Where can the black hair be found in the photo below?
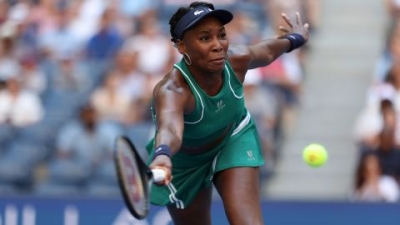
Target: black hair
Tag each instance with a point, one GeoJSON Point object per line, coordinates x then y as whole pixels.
{"type": "Point", "coordinates": [360, 169]}
{"type": "Point", "coordinates": [180, 13]}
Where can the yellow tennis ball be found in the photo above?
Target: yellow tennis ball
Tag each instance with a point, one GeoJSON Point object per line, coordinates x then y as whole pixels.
{"type": "Point", "coordinates": [315, 155]}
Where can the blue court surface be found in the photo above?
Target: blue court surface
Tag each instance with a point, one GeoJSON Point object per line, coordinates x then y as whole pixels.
{"type": "Point", "coordinates": [84, 211]}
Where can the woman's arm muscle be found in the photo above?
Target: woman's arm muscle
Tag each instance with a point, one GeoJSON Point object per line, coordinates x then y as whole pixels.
{"type": "Point", "coordinates": [170, 98]}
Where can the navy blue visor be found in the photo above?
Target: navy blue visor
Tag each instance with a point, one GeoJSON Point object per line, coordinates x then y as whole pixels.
{"type": "Point", "coordinates": [192, 17]}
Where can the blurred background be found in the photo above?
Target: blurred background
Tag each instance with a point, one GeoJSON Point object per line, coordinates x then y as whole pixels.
{"type": "Point", "coordinates": [74, 74]}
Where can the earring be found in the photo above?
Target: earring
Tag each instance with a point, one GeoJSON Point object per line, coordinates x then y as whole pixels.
{"type": "Point", "coordinates": [187, 59]}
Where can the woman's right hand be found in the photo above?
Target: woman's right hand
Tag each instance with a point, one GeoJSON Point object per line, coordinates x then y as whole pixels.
{"type": "Point", "coordinates": [163, 162]}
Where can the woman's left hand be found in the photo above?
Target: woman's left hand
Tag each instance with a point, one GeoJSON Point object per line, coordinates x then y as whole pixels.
{"type": "Point", "coordinates": [296, 26]}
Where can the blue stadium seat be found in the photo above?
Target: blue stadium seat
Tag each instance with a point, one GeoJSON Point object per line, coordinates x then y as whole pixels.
{"type": "Point", "coordinates": [140, 134]}
{"type": "Point", "coordinates": [104, 180]}
{"type": "Point", "coordinates": [9, 189]}
{"type": "Point", "coordinates": [7, 133]}
{"type": "Point", "coordinates": [42, 133]}
{"type": "Point", "coordinates": [103, 190]}
{"type": "Point", "coordinates": [50, 188]}
{"type": "Point", "coordinates": [29, 153]}
{"type": "Point", "coordinates": [15, 171]}
{"type": "Point", "coordinates": [65, 177]}
{"type": "Point", "coordinates": [18, 161]}
{"type": "Point", "coordinates": [69, 171]}
{"type": "Point", "coordinates": [105, 173]}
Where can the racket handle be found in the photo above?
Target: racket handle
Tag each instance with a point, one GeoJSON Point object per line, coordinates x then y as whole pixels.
{"type": "Point", "coordinates": [158, 175]}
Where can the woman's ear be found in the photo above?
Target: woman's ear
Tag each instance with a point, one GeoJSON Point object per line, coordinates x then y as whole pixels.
{"type": "Point", "coordinates": [180, 46]}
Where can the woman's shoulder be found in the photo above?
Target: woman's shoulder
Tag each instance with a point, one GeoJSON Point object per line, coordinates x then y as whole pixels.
{"type": "Point", "coordinates": [173, 80]}
{"type": "Point", "coordinates": [239, 57]}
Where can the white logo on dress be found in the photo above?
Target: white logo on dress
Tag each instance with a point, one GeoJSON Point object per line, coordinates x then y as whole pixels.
{"type": "Point", "coordinates": [220, 105]}
{"type": "Point", "coordinates": [197, 12]}
{"type": "Point", "coordinates": [250, 155]}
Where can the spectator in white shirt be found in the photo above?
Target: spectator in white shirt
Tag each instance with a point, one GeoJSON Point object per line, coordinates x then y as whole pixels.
{"type": "Point", "coordinates": [19, 107]}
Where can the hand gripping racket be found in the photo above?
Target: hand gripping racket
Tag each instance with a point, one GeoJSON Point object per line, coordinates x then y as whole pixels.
{"type": "Point", "coordinates": [134, 177]}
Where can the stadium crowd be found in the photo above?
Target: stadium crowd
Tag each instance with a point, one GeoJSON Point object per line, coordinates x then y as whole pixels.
{"type": "Point", "coordinates": [377, 176]}
{"type": "Point", "coordinates": [74, 74]}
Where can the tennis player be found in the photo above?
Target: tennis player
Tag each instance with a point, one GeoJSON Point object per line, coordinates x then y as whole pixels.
{"type": "Point", "coordinates": [204, 134]}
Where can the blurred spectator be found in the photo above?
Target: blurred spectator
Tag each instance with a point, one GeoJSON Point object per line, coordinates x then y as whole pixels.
{"type": "Point", "coordinates": [312, 12]}
{"type": "Point", "coordinates": [133, 83]}
{"type": "Point", "coordinates": [86, 139]}
{"type": "Point", "coordinates": [390, 54]}
{"type": "Point", "coordinates": [3, 11]}
{"type": "Point", "coordinates": [86, 17]}
{"type": "Point", "coordinates": [69, 76]}
{"type": "Point", "coordinates": [43, 16]}
{"type": "Point", "coordinates": [81, 146]}
{"type": "Point", "coordinates": [111, 103]}
{"type": "Point", "coordinates": [370, 120]}
{"type": "Point", "coordinates": [393, 79]}
{"type": "Point", "coordinates": [243, 29]}
{"type": "Point", "coordinates": [276, 7]}
{"type": "Point", "coordinates": [371, 184]}
{"type": "Point", "coordinates": [284, 77]}
{"type": "Point", "coordinates": [393, 7]}
{"type": "Point", "coordinates": [8, 63]}
{"type": "Point", "coordinates": [385, 149]}
{"type": "Point", "coordinates": [135, 9]}
{"type": "Point", "coordinates": [19, 11]}
{"type": "Point", "coordinates": [156, 54]}
{"type": "Point", "coordinates": [387, 152]}
{"type": "Point", "coordinates": [19, 107]}
{"type": "Point", "coordinates": [60, 32]}
{"type": "Point", "coordinates": [309, 9]}
{"type": "Point", "coordinates": [24, 31]}
{"type": "Point", "coordinates": [9, 67]}
{"type": "Point", "coordinates": [107, 41]}
{"type": "Point", "coordinates": [263, 107]}
{"type": "Point", "coordinates": [32, 77]}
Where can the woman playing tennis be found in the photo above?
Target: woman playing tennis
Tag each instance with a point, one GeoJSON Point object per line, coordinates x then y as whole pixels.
{"type": "Point", "coordinates": [204, 134]}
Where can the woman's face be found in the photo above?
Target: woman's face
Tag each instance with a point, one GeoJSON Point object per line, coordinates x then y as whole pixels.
{"type": "Point", "coordinates": [206, 44]}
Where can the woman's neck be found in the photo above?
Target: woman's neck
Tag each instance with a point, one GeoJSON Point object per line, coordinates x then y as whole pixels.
{"type": "Point", "coordinates": [210, 82]}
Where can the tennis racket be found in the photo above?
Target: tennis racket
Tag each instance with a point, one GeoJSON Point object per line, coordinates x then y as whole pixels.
{"type": "Point", "coordinates": [134, 177]}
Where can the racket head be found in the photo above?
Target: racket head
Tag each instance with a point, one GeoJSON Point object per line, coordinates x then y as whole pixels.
{"type": "Point", "coordinates": [133, 177]}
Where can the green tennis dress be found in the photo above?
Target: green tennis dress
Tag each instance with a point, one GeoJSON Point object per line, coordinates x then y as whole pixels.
{"type": "Point", "coordinates": [212, 116]}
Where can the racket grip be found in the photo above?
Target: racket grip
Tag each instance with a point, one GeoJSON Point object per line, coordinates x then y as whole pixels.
{"type": "Point", "coordinates": [158, 175]}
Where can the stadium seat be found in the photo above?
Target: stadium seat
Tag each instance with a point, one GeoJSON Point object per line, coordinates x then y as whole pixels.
{"type": "Point", "coordinates": [104, 180]}
{"type": "Point", "coordinates": [140, 134]}
{"type": "Point", "coordinates": [50, 188]}
{"type": "Point", "coordinates": [69, 171]}
{"type": "Point", "coordinates": [105, 173]}
{"type": "Point", "coordinates": [7, 132]}
{"type": "Point", "coordinates": [41, 133]}
{"type": "Point", "coordinates": [103, 190]}
{"type": "Point", "coordinates": [15, 171]}
{"type": "Point", "coordinates": [26, 152]}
